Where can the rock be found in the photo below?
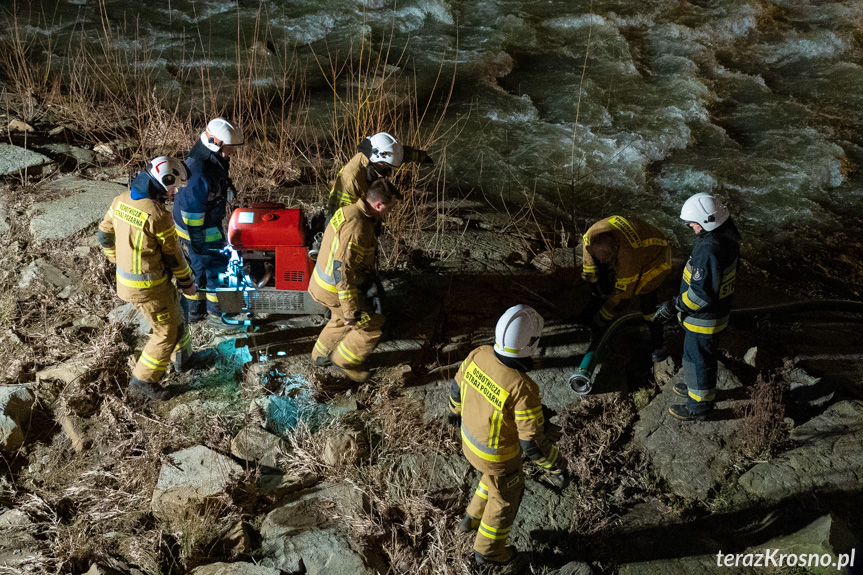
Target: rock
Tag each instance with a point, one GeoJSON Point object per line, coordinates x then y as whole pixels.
{"type": "Point", "coordinates": [18, 547]}
{"type": "Point", "coordinates": [828, 457]}
{"type": "Point", "coordinates": [4, 224]}
{"type": "Point", "coordinates": [305, 534]}
{"type": "Point", "coordinates": [16, 125]}
{"type": "Point", "coordinates": [194, 477]}
{"type": "Point", "coordinates": [106, 150]}
{"type": "Point", "coordinates": [345, 449]}
{"type": "Point", "coordinates": [692, 457]}
{"type": "Point", "coordinates": [318, 552]}
{"type": "Point", "coordinates": [89, 321]}
{"type": "Point", "coordinates": [234, 569]}
{"type": "Point", "coordinates": [554, 259]}
{"type": "Point", "coordinates": [258, 446]}
{"type": "Point", "coordinates": [14, 159]}
{"type": "Point", "coordinates": [16, 404]}
{"type": "Point", "coordinates": [574, 568]}
{"type": "Point", "coordinates": [80, 155]}
{"type": "Point", "coordinates": [681, 566]}
{"type": "Point", "coordinates": [67, 372]}
{"type": "Point", "coordinates": [40, 268]}
{"type": "Point", "coordinates": [56, 130]}
{"type": "Point", "coordinates": [798, 378]}
{"type": "Point", "coordinates": [63, 217]}
{"type": "Point", "coordinates": [825, 535]}
{"type": "Point", "coordinates": [127, 313]}
{"type": "Point", "coordinates": [757, 359]}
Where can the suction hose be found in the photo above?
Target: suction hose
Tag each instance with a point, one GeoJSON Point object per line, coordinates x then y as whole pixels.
{"type": "Point", "coordinates": [581, 381]}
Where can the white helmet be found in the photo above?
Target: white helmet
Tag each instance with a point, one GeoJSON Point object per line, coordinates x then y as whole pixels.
{"type": "Point", "coordinates": [517, 332]}
{"type": "Point", "coordinates": [705, 210]}
{"type": "Point", "coordinates": [387, 149]}
{"type": "Point", "coordinates": [220, 133]}
{"type": "Point", "coordinates": [171, 173]}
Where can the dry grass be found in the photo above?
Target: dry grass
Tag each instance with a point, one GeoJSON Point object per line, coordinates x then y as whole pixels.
{"type": "Point", "coordinates": [601, 460]}
{"type": "Point", "coordinates": [763, 430]}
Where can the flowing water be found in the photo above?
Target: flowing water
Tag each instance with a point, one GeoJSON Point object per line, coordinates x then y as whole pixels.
{"type": "Point", "coordinates": [595, 107]}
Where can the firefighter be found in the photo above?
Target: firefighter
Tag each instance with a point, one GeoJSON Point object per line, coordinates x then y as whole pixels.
{"type": "Point", "coordinates": [501, 416]}
{"type": "Point", "coordinates": [342, 277]}
{"type": "Point", "coordinates": [625, 257]}
{"type": "Point", "coordinates": [704, 304]}
{"type": "Point", "coordinates": [199, 211]}
{"type": "Point", "coordinates": [138, 235]}
{"type": "Point", "coordinates": [376, 158]}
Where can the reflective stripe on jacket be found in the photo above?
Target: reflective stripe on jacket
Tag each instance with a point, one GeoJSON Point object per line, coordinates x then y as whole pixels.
{"type": "Point", "coordinates": [137, 233]}
{"type": "Point", "coordinates": [347, 256]}
{"type": "Point", "coordinates": [351, 184]}
{"type": "Point", "coordinates": [707, 285]}
{"type": "Point", "coordinates": [500, 409]}
{"type": "Point", "coordinates": [643, 255]}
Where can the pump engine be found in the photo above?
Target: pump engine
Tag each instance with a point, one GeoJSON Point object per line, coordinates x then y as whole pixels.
{"type": "Point", "coordinates": [269, 266]}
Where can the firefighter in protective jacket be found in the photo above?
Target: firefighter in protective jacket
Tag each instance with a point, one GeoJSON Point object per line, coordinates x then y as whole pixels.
{"type": "Point", "coordinates": [343, 274]}
{"type": "Point", "coordinates": [502, 419]}
{"type": "Point", "coordinates": [377, 156]}
{"type": "Point", "coordinates": [138, 235]}
{"type": "Point", "coordinates": [623, 258]}
{"type": "Point", "coordinates": [199, 211]}
{"type": "Point", "coordinates": [703, 307]}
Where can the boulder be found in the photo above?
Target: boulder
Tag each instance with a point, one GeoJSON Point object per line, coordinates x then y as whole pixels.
{"type": "Point", "coordinates": [14, 159]}
{"type": "Point", "coordinates": [41, 269]}
{"type": "Point", "coordinates": [68, 371]}
{"type": "Point", "coordinates": [828, 457]}
{"type": "Point", "coordinates": [305, 535]}
{"type": "Point", "coordinates": [85, 204]}
{"type": "Point", "coordinates": [574, 568]}
{"type": "Point", "coordinates": [234, 569]}
{"type": "Point", "coordinates": [16, 404]}
{"type": "Point", "coordinates": [258, 445]}
{"type": "Point", "coordinates": [18, 547]}
{"type": "Point", "coordinates": [692, 457]}
{"type": "Point", "coordinates": [194, 477]}
{"type": "Point", "coordinates": [824, 536]}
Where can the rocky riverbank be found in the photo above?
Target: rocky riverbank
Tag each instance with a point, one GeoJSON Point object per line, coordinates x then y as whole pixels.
{"type": "Point", "coordinates": [264, 464]}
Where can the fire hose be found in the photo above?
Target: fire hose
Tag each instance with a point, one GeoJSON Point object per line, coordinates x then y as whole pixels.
{"type": "Point", "coordinates": [581, 381]}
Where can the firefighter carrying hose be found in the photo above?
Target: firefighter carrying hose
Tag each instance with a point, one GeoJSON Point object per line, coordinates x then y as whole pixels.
{"type": "Point", "coordinates": [138, 235]}
{"type": "Point", "coordinates": [200, 209]}
{"type": "Point", "coordinates": [625, 257]}
{"type": "Point", "coordinates": [377, 157]}
{"type": "Point", "coordinates": [501, 416]}
{"type": "Point", "coordinates": [703, 307]}
{"type": "Point", "coordinates": [343, 274]}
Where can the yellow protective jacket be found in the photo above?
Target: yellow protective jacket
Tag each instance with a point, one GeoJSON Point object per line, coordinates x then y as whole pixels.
{"type": "Point", "coordinates": [351, 184]}
{"type": "Point", "coordinates": [346, 262]}
{"type": "Point", "coordinates": [501, 414]}
{"type": "Point", "coordinates": [644, 254]}
{"type": "Point", "coordinates": [138, 235]}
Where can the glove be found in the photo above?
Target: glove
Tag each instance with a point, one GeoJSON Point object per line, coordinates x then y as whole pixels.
{"type": "Point", "coordinates": [453, 419]}
{"type": "Point", "coordinates": [558, 479]}
{"type": "Point", "coordinates": [601, 289]}
{"type": "Point", "coordinates": [665, 312]}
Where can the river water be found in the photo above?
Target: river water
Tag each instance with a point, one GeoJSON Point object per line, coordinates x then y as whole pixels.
{"type": "Point", "coordinates": [595, 107]}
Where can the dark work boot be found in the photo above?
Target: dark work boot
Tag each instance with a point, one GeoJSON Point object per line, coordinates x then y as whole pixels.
{"type": "Point", "coordinates": [355, 375]}
{"type": "Point", "coordinates": [681, 389]}
{"type": "Point", "coordinates": [203, 359]}
{"type": "Point", "coordinates": [468, 523]}
{"type": "Point", "coordinates": [148, 389]}
{"type": "Point", "coordinates": [682, 413]}
{"type": "Point", "coordinates": [508, 559]}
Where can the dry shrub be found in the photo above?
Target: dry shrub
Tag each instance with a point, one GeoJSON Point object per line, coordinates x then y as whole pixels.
{"type": "Point", "coordinates": [763, 430]}
{"type": "Point", "coordinates": [607, 467]}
